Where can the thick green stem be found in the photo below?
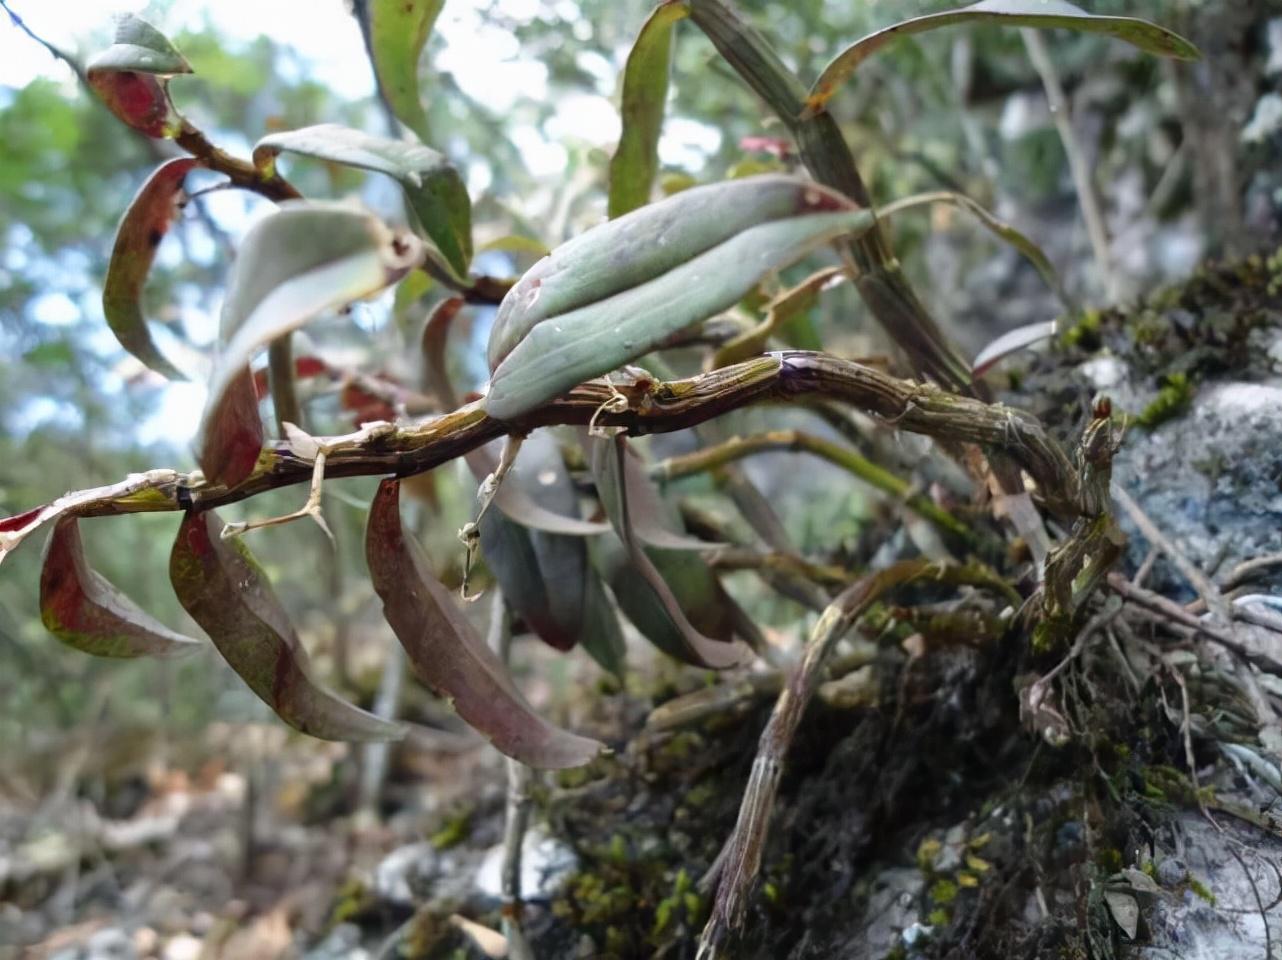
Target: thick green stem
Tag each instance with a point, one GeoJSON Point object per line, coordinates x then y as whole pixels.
{"type": "Point", "coordinates": [879, 278]}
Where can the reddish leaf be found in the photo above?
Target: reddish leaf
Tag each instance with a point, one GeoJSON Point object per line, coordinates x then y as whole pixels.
{"type": "Point", "coordinates": [226, 592]}
{"type": "Point", "coordinates": [144, 225]}
{"type": "Point", "coordinates": [447, 654]}
{"type": "Point", "coordinates": [132, 74]}
{"type": "Point", "coordinates": [435, 337]}
{"type": "Point", "coordinates": [19, 520]}
{"type": "Point", "coordinates": [366, 407]}
{"type": "Point", "coordinates": [84, 610]}
{"type": "Point", "coordinates": [233, 434]}
{"type": "Point", "coordinates": [304, 368]}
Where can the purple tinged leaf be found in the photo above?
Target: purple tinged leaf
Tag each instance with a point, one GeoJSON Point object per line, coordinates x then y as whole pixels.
{"type": "Point", "coordinates": [1012, 342]}
{"type": "Point", "coordinates": [436, 335]}
{"type": "Point", "coordinates": [545, 575]}
{"type": "Point", "coordinates": [1044, 14]}
{"type": "Point", "coordinates": [84, 610]}
{"type": "Point", "coordinates": [645, 90]}
{"type": "Point", "coordinates": [304, 259]}
{"type": "Point", "coordinates": [138, 237]}
{"type": "Point", "coordinates": [232, 434]}
{"type": "Point", "coordinates": [225, 591]}
{"type": "Point", "coordinates": [608, 465]}
{"type": "Point", "coordinates": [448, 655]}
{"type": "Point", "coordinates": [131, 77]}
{"type": "Point", "coordinates": [524, 509]}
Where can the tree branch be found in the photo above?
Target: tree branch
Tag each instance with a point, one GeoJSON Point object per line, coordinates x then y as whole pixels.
{"type": "Point", "coordinates": [653, 407]}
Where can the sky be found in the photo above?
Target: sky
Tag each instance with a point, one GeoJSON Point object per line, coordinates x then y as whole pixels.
{"type": "Point", "coordinates": [485, 60]}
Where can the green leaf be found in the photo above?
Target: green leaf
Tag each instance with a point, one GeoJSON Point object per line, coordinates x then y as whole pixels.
{"type": "Point", "coordinates": [144, 225]}
{"type": "Point", "coordinates": [432, 185]}
{"type": "Point", "coordinates": [225, 591]}
{"type": "Point", "coordinates": [131, 77]}
{"type": "Point", "coordinates": [1043, 14]}
{"type": "Point", "coordinates": [617, 293]}
{"type": "Point", "coordinates": [645, 90]}
{"type": "Point", "coordinates": [647, 243]}
{"type": "Point", "coordinates": [302, 260]}
{"type": "Point", "coordinates": [448, 655]}
{"type": "Point", "coordinates": [514, 243]}
{"type": "Point", "coordinates": [603, 637]}
{"type": "Point", "coordinates": [544, 575]}
{"type": "Point", "coordinates": [670, 595]}
{"type": "Point", "coordinates": [398, 31]}
{"type": "Point", "coordinates": [999, 228]}
{"type": "Point", "coordinates": [84, 610]}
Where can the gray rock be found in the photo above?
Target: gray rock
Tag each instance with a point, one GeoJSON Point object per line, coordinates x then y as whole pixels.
{"type": "Point", "coordinates": [1211, 480]}
{"type": "Point", "coordinates": [1185, 924]}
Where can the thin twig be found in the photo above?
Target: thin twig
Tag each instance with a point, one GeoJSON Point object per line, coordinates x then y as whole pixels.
{"type": "Point", "coordinates": [1077, 165]}
{"type": "Point", "coordinates": [1200, 582]}
{"type": "Point", "coordinates": [736, 448]}
{"type": "Point", "coordinates": [517, 811]}
{"type": "Point", "coordinates": [57, 52]}
{"type": "Point", "coordinates": [1177, 615]}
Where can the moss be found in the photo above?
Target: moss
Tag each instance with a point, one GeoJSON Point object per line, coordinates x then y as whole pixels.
{"type": "Point", "coordinates": [927, 853]}
{"type": "Point", "coordinates": [939, 917]}
{"type": "Point", "coordinates": [943, 892]}
{"type": "Point", "coordinates": [456, 828]}
{"type": "Point", "coordinates": [1109, 859]}
{"type": "Point", "coordinates": [1085, 332]}
{"type": "Point", "coordinates": [1172, 400]}
{"type": "Point", "coordinates": [1201, 890]}
{"type": "Point", "coordinates": [352, 900]}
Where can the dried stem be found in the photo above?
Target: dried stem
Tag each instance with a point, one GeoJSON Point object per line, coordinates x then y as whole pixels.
{"type": "Point", "coordinates": [1077, 165]}
{"type": "Point", "coordinates": [742, 857]}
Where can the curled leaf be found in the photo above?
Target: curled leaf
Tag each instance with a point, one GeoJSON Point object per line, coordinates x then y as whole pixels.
{"type": "Point", "coordinates": [1012, 342]}
{"type": "Point", "coordinates": [398, 31]}
{"type": "Point", "coordinates": [645, 89]}
{"type": "Point", "coordinates": [225, 591]}
{"type": "Point", "coordinates": [446, 653]}
{"type": "Point", "coordinates": [653, 521]}
{"type": "Point", "coordinates": [304, 259]}
{"type": "Point", "coordinates": [1044, 14]}
{"type": "Point", "coordinates": [648, 594]}
{"type": "Point", "coordinates": [137, 238]}
{"type": "Point", "coordinates": [232, 434]}
{"type": "Point", "coordinates": [84, 610]}
{"type": "Point", "coordinates": [131, 77]}
{"type": "Point", "coordinates": [544, 574]}
{"type": "Point", "coordinates": [999, 228]}
{"type": "Point", "coordinates": [436, 333]}
{"type": "Point", "coordinates": [433, 188]}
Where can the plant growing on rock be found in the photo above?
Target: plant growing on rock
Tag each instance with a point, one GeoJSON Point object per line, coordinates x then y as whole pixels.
{"type": "Point", "coordinates": [561, 351]}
